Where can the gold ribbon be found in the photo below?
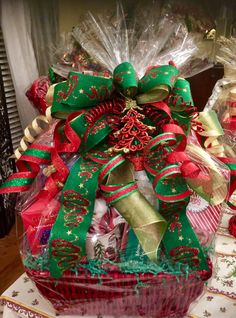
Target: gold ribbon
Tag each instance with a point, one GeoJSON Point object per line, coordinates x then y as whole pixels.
{"type": "Point", "coordinates": [148, 225]}
{"type": "Point", "coordinates": [215, 188]}
{"type": "Point", "coordinates": [211, 130]}
{"type": "Point", "coordinates": [32, 131]}
{"type": "Point", "coordinates": [157, 93]}
{"type": "Point", "coordinates": [36, 127]}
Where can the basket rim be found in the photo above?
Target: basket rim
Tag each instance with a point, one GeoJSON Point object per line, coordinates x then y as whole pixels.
{"type": "Point", "coordinates": [85, 274]}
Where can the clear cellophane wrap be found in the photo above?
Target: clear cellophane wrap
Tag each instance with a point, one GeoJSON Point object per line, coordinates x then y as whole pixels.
{"type": "Point", "coordinates": [222, 101]}
{"type": "Point", "coordinates": [117, 194]}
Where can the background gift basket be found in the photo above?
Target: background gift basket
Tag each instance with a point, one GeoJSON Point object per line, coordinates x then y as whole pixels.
{"type": "Point", "coordinates": [105, 188]}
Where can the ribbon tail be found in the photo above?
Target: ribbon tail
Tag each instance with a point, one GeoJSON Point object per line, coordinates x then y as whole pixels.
{"type": "Point", "coordinates": [179, 242]}
{"type": "Point", "coordinates": [148, 225]}
{"type": "Point", "coordinates": [67, 242]}
{"type": "Point", "coordinates": [182, 245]}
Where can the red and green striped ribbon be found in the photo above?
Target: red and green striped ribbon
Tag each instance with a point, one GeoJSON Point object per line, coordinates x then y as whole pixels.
{"type": "Point", "coordinates": [28, 166]}
{"type": "Point", "coordinates": [39, 152]}
{"type": "Point", "coordinates": [115, 192]}
{"type": "Point", "coordinates": [119, 192]}
{"type": "Point", "coordinates": [18, 182]}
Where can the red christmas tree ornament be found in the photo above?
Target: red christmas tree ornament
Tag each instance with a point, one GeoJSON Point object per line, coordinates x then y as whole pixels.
{"type": "Point", "coordinates": [134, 135]}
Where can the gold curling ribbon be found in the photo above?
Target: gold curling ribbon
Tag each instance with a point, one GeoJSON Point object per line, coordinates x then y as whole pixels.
{"type": "Point", "coordinates": [36, 127]}
{"type": "Point", "coordinates": [213, 190]}
{"type": "Point", "coordinates": [49, 95]}
{"type": "Point", "coordinates": [212, 130]}
{"type": "Point", "coordinates": [148, 225]}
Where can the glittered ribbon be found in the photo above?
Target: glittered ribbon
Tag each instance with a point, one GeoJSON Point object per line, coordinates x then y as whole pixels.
{"type": "Point", "coordinates": [68, 236]}
{"type": "Point", "coordinates": [180, 242]}
{"type": "Point", "coordinates": [82, 90]}
{"type": "Point", "coordinates": [28, 167]}
{"type": "Point", "coordinates": [231, 164]}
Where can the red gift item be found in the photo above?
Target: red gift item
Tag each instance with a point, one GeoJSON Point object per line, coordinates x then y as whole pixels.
{"type": "Point", "coordinates": [229, 123]}
{"type": "Point", "coordinates": [37, 93]}
{"type": "Point", "coordinates": [38, 219]}
{"type": "Point", "coordinates": [232, 226]}
{"type": "Point", "coordinates": [229, 120]}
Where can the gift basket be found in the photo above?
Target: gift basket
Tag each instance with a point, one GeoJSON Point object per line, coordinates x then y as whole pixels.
{"type": "Point", "coordinates": [105, 187]}
{"type": "Point", "coordinates": [223, 102]}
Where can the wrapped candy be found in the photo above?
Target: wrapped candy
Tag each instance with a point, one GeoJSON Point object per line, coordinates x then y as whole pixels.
{"type": "Point", "coordinates": [113, 181]}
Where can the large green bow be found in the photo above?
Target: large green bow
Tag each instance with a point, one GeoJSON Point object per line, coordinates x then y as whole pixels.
{"type": "Point", "coordinates": [82, 90]}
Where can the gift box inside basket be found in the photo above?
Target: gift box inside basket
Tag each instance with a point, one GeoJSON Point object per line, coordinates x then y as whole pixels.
{"type": "Point", "coordinates": [104, 190]}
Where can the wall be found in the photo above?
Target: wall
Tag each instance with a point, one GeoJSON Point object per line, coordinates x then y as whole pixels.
{"type": "Point", "coordinates": [70, 11]}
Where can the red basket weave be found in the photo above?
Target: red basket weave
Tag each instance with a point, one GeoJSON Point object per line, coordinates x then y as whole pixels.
{"type": "Point", "coordinates": [117, 294]}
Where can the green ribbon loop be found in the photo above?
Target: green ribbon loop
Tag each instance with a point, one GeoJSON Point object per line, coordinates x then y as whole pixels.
{"type": "Point", "coordinates": [180, 97]}
{"type": "Point", "coordinates": [156, 84]}
{"type": "Point", "coordinates": [91, 136]}
{"type": "Point", "coordinates": [125, 79]}
{"type": "Point", "coordinates": [82, 90]}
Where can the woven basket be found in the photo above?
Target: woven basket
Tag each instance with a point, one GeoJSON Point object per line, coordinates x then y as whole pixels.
{"type": "Point", "coordinates": [147, 295]}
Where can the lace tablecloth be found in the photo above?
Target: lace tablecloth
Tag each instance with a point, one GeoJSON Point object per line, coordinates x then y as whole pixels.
{"type": "Point", "coordinates": [218, 301]}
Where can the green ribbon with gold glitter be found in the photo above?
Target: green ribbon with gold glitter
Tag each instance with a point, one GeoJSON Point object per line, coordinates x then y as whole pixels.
{"type": "Point", "coordinates": [81, 91]}
{"type": "Point", "coordinates": [68, 236]}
